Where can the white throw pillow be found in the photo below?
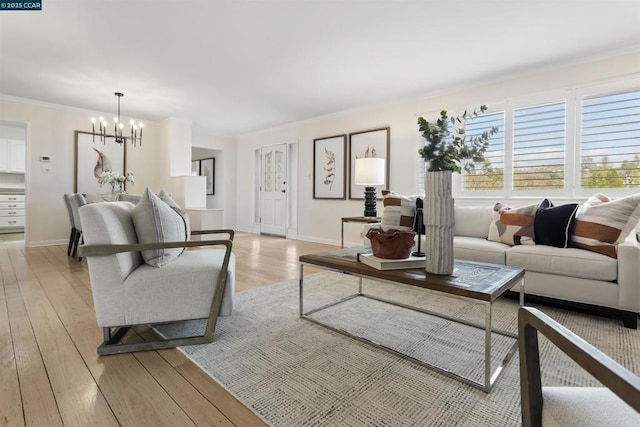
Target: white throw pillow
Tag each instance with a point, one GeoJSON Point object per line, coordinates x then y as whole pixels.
{"type": "Point", "coordinates": [399, 211]}
{"type": "Point", "coordinates": [601, 223]}
{"type": "Point", "coordinates": [166, 197]}
{"type": "Point", "coordinates": [156, 222]}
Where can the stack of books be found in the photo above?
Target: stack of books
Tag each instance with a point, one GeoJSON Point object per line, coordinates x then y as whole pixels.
{"type": "Point", "coordinates": [391, 264]}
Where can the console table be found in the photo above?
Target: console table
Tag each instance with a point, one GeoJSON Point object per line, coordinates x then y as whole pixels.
{"type": "Point", "coordinates": [362, 219]}
{"type": "Point", "coordinates": [479, 282]}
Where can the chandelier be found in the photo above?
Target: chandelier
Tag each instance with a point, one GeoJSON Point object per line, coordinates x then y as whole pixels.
{"type": "Point", "coordinates": [134, 136]}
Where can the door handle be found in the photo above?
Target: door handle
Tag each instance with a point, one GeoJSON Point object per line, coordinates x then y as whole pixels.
{"type": "Point", "coordinates": [284, 191]}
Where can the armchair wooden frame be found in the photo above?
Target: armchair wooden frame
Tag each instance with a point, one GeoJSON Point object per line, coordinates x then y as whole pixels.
{"type": "Point", "coordinates": [112, 338]}
{"type": "Point", "coordinates": [612, 375]}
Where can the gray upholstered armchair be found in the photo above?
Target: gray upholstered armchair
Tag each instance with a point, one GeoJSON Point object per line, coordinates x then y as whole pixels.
{"type": "Point", "coordinates": [615, 404]}
{"type": "Point", "coordinates": [127, 291]}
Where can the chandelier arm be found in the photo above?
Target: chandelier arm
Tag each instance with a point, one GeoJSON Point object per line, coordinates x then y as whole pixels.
{"type": "Point", "coordinates": [117, 128]}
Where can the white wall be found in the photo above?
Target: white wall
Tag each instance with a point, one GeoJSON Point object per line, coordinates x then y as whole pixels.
{"type": "Point", "coordinates": [319, 220]}
{"type": "Point", "coordinates": [50, 131]}
{"type": "Point", "coordinates": [224, 150]}
{"type": "Point", "coordinates": [179, 138]}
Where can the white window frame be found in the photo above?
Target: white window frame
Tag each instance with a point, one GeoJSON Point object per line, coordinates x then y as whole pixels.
{"type": "Point", "coordinates": [494, 107]}
{"type": "Point", "coordinates": [572, 96]}
{"type": "Point", "coordinates": [609, 88]}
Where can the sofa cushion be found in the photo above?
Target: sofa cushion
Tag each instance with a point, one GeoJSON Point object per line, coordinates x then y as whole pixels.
{"type": "Point", "coordinates": [472, 221]}
{"type": "Point", "coordinates": [553, 224]}
{"type": "Point", "coordinates": [477, 249]}
{"type": "Point", "coordinates": [602, 223]}
{"type": "Point", "coordinates": [563, 261]}
{"type": "Point", "coordinates": [156, 222]}
{"type": "Point", "coordinates": [585, 406]}
{"type": "Point", "coordinates": [399, 211]}
{"type": "Point", "coordinates": [513, 226]}
{"type": "Point", "coordinates": [195, 272]}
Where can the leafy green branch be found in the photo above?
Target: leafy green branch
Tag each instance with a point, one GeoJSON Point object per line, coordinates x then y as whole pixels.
{"type": "Point", "coordinates": [448, 147]}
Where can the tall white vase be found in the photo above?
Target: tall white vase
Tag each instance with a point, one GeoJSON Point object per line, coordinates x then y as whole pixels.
{"type": "Point", "coordinates": [439, 221]}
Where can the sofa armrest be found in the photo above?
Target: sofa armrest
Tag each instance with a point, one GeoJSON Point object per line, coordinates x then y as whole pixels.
{"type": "Point", "coordinates": [628, 274]}
{"type": "Point", "coordinates": [231, 233]}
{"type": "Point", "coordinates": [102, 250]}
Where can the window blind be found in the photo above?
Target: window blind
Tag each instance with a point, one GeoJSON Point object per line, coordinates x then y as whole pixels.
{"type": "Point", "coordinates": [539, 138]}
{"type": "Point", "coordinates": [610, 141]}
{"type": "Point", "coordinates": [487, 175]}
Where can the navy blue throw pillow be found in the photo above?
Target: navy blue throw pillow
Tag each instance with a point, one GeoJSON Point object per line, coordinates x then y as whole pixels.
{"type": "Point", "coordinates": [553, 224]}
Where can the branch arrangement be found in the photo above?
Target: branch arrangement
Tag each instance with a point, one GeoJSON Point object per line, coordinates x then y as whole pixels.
{"type": "Point", "coordinates": [448, 147]}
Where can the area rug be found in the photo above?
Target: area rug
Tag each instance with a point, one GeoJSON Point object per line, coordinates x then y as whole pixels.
{"type": "Point", "coordinates": [292, 372]}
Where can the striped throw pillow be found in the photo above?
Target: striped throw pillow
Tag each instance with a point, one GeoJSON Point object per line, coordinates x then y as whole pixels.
{"type": "Point", "coordinates": [602, 223]}
{"type": "Point", "coordinates": [512, 226]}
{"type": "Point", "coordinates": [399, 211]}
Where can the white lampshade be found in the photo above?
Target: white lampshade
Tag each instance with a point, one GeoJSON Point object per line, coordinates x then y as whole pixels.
{"type": "Point", "coordinates": [369, 171]}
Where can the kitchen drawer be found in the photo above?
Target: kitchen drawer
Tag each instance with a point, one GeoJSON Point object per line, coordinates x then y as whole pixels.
{"type": "Point", "coordinates": [11, 205]}
{"type": "Point", "coordinates": [11, 222]}
{"type": "Point", "coordinates": [11, 212]}
{"type": "Point", "coordinates": [11, 198]}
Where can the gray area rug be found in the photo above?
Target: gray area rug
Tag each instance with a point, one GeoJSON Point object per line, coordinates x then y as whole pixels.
{"type": "Point", "coordinates": [292, 372]}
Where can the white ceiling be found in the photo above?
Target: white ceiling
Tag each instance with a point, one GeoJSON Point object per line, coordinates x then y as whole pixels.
{"type": "Point", "coordinates": [237, 66]}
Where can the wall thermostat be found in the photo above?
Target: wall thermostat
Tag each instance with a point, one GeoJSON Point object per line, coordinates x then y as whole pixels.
{"type": "Point", "coordinates": [45, 158]}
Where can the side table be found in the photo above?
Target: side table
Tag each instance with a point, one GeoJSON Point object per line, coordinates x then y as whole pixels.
{"type": "Point", "coordinates": [361, 219]}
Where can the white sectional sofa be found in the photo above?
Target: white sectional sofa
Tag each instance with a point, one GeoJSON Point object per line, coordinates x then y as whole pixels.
{"type": "Point", "coordinates": [576, 278]}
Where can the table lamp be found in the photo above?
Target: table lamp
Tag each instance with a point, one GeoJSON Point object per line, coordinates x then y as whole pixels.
{"type": "Point", "coordinates": [369, 172]}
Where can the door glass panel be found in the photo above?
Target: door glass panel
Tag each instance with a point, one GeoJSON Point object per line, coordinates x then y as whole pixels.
{"type": "Point", "coordinates": [268, 172]}
{"type": "Point", "coordinates": [280, 181]}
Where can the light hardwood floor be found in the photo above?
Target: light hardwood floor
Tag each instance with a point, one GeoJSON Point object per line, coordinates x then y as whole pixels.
{"type": "Point", "coordinates": [51, 375]}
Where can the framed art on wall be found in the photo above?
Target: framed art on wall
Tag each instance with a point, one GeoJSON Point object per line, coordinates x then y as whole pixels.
{"type": "Point", "coordinates": [92, 157]}
{"type": "Point", "coordinates": [195, 168]}
{"type": "Point", "coordinates": [369, 143]}
{"type": "Point", "coordinates": [330, 167]}
{"type": "Point", "coordinates": [208, 170]}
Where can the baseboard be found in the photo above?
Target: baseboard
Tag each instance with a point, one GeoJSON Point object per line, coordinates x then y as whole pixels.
{"type": "Point", "coordinates": [35, 244]}
{"type": "Point", "coordinates": [246, 230]}
{"type": "Point", "coordinates": [292, 233]}
{"type": "Point", "coordinates": [316, 240]}
{"type": "Point", "coordinates": [629, 318]}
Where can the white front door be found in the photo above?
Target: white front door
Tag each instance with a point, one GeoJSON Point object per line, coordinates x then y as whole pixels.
{"type": "Point", "coordinates": [273, 190]}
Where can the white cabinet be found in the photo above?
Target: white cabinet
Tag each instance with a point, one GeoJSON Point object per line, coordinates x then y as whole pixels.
{"type": "Point", "coordinates": [11, 213]}
{"type": "Point", "coordinates": [4, 155]}
{"type": "Point", "coordinates": [12, 156]}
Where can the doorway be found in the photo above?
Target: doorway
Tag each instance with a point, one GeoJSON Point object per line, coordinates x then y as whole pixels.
{"type": "Point", "coordinates": [13, 143]}
{"type": "Point", "coordinates": [273, 200]}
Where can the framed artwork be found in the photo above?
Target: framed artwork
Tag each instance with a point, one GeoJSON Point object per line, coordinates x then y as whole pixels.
{"type": "Point", "coordinates": [92, 157]}
{"type": "Point", "coordinates": [208, 170]}
{"type": "Point", "coordinates": [369, 143]}
{"type": "Point", "coordinates": [195, 168]}
{"type": "Point", "coordinates": [330, 167]}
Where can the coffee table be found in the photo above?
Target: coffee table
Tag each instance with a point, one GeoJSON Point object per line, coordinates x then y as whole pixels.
{"type": "Point", "coordinates": [482, 283]}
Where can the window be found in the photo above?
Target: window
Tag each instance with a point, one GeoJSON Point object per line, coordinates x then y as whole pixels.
{"type": "Point", "coordinates": [539, 147]}
{"type": "Point", "coordinates": [567, 144]}
{"type": "Point", "coordinates": [488, 175]}
{"type": "Point", "coordinates": [610, 141]}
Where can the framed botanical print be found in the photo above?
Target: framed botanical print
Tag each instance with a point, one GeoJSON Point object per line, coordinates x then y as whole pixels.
{"type": "Point", "coordinates": [330, 167]}
{"type": "Point", "coordinates": [369, 143]}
